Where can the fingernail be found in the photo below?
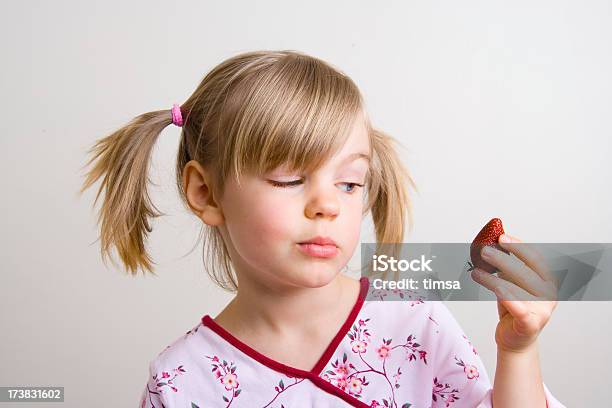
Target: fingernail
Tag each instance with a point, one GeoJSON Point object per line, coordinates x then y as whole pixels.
{"type": "Point", "coordinates": [487, 251]}
{"type": "Point", "coordinates": [477, 272]}
{"type": "Point", "coordinates": [505, 238]}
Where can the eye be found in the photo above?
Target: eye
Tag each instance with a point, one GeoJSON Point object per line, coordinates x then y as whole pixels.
{"type": "Point", "coordinates": [285, 183]}
{"type": "Point", "coordinates": [353, 186]}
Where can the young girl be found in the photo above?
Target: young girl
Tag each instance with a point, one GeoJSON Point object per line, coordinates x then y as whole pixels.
{"type": "Point", "coordinates": [279, 160]}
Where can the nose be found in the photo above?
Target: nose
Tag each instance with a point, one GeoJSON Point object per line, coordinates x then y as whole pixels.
{"type": "Point", "coordinates": [322, 203]}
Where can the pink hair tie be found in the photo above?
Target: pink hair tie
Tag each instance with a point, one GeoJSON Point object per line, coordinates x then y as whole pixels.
{"type": "Point", "coordinates": [177, 117]}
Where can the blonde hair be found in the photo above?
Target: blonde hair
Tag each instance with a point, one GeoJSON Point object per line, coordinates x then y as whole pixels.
{"type": "Point", "coordinates": [252, 112]}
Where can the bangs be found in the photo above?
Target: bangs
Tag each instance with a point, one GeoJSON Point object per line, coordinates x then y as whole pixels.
{"type": "Point", "coordinates": [296, 113]}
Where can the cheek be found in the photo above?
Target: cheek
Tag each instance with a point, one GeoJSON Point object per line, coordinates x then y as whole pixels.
{"type": "Point", "coordinates": [273, 225]}
{"type": "Point", "coordinates": [350, 228]}
{"type": "Point", "coordinates": [266, 223]}
{"type": "Point", "coordinates": [352, 225]}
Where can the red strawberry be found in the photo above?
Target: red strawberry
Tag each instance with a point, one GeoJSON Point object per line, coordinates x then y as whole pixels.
{"type": "Point", "coordinates": [488, 236]}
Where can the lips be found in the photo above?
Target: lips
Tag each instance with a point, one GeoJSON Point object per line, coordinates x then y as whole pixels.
{"type": "Point", "coordinates": [319, 240]}
{"type": "Point", "coordinates": [319, 247]}
{"type": "Point", "coordinates": [319, 251]}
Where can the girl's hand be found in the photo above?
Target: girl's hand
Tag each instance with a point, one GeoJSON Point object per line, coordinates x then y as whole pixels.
{"type": "Point", "coordinates": [526, 292]}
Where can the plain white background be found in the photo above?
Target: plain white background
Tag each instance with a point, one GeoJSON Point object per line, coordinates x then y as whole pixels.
{"type": "Point", "coordinates": [504, 109]}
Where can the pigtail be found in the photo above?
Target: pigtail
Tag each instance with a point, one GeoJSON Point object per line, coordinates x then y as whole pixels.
{"type": "Point", "coordinates": [389, 200]}
{"type": "Point", "coordinates": [122, 161]}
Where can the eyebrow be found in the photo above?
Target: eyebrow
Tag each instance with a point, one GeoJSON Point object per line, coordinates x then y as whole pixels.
{"type": "Point", "coordinates": [355, 156]}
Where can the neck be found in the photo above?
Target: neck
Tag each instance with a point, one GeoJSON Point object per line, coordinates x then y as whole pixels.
{"type": "Point", "coordinates": [288, 312]}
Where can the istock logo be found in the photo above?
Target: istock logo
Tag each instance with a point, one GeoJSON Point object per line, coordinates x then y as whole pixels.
{"type": "Point", "coordinates": [382, 263]}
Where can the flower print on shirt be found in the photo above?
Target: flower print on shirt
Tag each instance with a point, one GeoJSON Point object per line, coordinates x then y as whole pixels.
{"type": "Point", "coordinates": [193, 330]}
{"type": "Point", "coordinates": [470, 343]}
{"type": "Point", "coordinates": [379, 294]}
{"type": "Point", "coordinates": [383, 351]}
{"type": "Point", "coordinates": [470, 370]}
{"type": "Point", "coordinates": [281, 387]}
{"type": "Point", "coordinates": [167, 380]}
{"type": "Point", "coordinates": [411, 297]}
{"type": "Point", "coordinates": [342, 378]}
{"type": "Point", "coordinates": [444, 392]}
{"type": "Point", "coordinates": [360, 336]}
{"type": "Point", "coordinates": [226, 374]}
{"type": "Point", "coordinates": [163, 382]}
{"type": "Point", "coordinates": [351, 375]}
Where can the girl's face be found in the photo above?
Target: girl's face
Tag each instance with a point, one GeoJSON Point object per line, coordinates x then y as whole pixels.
{"type": "Point", "coordinates": [268, 216]}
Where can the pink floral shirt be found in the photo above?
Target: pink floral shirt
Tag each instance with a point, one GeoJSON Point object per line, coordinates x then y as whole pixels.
{"type": "Point", "coordinates": [398, 354]}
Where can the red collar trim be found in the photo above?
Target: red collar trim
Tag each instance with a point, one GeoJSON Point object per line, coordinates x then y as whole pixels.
{"type": "Point", "coordinates": [313, 374]}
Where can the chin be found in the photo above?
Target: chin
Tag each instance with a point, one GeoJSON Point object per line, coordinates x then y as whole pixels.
{"type": "Point", "coordinates": [322, 276]}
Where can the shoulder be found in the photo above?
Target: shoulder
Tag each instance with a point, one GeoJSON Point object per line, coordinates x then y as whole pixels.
{"type": "Point", "coordinates": [186, 347]}
{"type": "Point", "coordinates": [182, 370]}
{"type": "Point", "coordinates": [408, 305]}
{"type": "Point", "coordinates": [429, 321]}
{"type": "Point", "coordinates": [414, 312]}
{"type": "Point", "coordinates": [187, 354]}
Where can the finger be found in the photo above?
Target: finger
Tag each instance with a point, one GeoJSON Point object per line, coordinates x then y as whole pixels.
{"type": "Point", "coordinates": [545, 291]}
{"type": "Point", "coordinates": [528, 254]}
{"type": "Point", "coordinates": [513, 305]}
{"type": "Point", "coordinates": [501, 310]}
{"type": "Point", "coordinates": [491, 282]}
{"type": "Point", "coordinates": [525, 321]}
{"type": "Point", "coordinates": [517, 272]}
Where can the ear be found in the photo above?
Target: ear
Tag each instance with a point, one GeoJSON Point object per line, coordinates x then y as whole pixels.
{"type": "Point", "coordinates": [198, 189]}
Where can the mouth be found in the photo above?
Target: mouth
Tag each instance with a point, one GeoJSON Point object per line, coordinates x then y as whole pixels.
{"type": "Point", "coordinates": [319, 251]}
{"type": "Point", "coordinates": [319, 240]}
{"type": "Point", "coordinates": [319, 247]}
